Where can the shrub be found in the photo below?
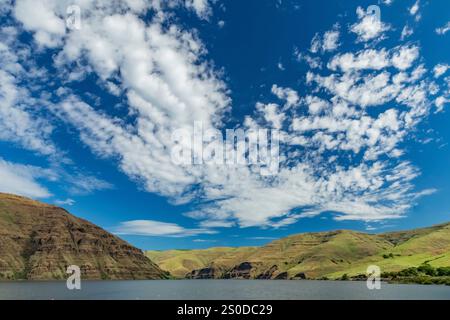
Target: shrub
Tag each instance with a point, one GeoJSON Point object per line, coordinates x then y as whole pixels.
{"type": "Point", "coordinates": [443, 271]}
{"type": "Point", "coordinates": [409, 272]}
{"type": "Point", "coordinates": [388, 274]}
{"type": "Point", "coordinates": [427, 269]}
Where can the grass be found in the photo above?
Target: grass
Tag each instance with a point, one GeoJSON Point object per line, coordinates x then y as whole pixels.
{"type": "Point", "coordinates": [181, 262]}
{"type": "Point", "coordinates": [328, 255]}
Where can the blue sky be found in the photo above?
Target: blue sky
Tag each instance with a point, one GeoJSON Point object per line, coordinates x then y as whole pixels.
{"type": "Point", "coordinates": [360, 102]}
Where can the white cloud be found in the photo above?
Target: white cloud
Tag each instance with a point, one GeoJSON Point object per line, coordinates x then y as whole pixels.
{"type": "Point", "coordinates": [261, 238]}
{"type": "Point", "coordinates": [414, 8]}
{"type": "Point", "coordinates": [81, 184]}
{"type": "Point", "coordinates": [39, 17]}
{"type": "Point", "coordinates": [201, 8]}
{"type": "Point", "coordinates": [161, 72]}
{"type": "Point", "coordinates": [313, 63]}
{"type": "Point", "coordinates": [19, 119]}
{"type": "Point", "coordinates": [204, 240]}
{"type": "Point", "coordinates": [16, 123]}
{"type": "Point", "coordinates": [315, 44]}
{"type": "Point", "coordinates": [404, 57]}
{"type": "Point", "coordinates": [342, 148]}
{"type": "Point", "coordinates": [440, 69]}
{"type": "Point", "coordinates": [329, 41]}
{"type": "Point", "coordinates": [401, 58]}
{"type": "Point", "coordinates": [23, 179]}
{"type": "Point", "coordinates": [406, 32]}
{"type": "Point", "coordinates": [156, 229]}
{"type": "Point", "coordinates": [369, 26]}
{"type": "Point", "coordinates": [287, 94]}
{"type": "Point", "coordinates": [444, 29]}
{"type": "Point", "coordinates": [366, 59]}
{"type": "Point", "coordinates": [67, 202]}
{"type": "Point", "coordinates": [440, 103]}
{"type": "Point", "coordinates": [271, 114]}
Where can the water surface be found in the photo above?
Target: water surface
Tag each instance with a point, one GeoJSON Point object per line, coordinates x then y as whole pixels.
{"type": "Point", "coordinates": [220, 289]}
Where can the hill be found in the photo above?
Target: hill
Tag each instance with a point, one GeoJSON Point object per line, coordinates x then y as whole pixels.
{"type": "Point", "coordinates": [182, 262]}
{"type": "Point", "coordinates": [38, 241]}
{"type": "Point", "coordinates": [314, 255]}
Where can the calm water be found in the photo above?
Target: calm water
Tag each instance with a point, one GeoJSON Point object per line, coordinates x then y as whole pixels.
{"type": "Point", "coordinates": [219, 289]}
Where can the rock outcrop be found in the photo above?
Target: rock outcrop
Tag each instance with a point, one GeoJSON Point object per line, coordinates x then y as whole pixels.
{"type": "Point", "coordinates": [268, 274]}
{"type": "Point", "coordinates": [241, 271]}
{"type": "Point", "coordinates": [39, 241]}
{"type": "Point", "coordinates": [205, 273]}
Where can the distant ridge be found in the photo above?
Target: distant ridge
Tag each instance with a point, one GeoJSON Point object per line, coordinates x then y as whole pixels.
{"type": "Point", "coordinates": [38, 241]}
{"type": "Point", "coordinates": [313, 255]}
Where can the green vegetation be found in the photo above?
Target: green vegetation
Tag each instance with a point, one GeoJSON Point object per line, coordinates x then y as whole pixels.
{"type": "Point", "coordinates": [345, 277]}
{"type": "Point", "coordinates": [181, 262]}
{"type": "Point", "coordinates": [420, 256]}
{"type": "Point", "coordinates": [424, 274]}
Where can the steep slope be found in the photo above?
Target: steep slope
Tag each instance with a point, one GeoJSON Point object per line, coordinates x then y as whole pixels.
{"type": "Point", "coordinates": [411, 249]}
{"type": "Point", "coordinates": [307, 255]}
{"type": "Point", "coordinates": [182, 262]}
{"type": "Point", "coordinates": [39, 241]}
{"type": "Point", "coordinates": [330, 254]}
{"type": "Point", "coordinates": [316, 254]}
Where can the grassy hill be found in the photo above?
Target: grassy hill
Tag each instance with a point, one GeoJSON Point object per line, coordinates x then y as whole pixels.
{"type": "Point", "coordinates": [182, 262]}
{"type": "Point", "coordinates": [314, 255]}
{"type": "Point", "coordinates": [411, 249]}
{"type": "Point", "coordinates": [38, 241]}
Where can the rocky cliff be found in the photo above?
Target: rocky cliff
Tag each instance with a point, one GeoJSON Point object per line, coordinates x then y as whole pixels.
{"type": "Point", "coordinates": [38, 241]}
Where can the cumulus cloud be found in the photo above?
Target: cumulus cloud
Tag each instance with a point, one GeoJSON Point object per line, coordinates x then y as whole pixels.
{"type": "Point", "coordinates": [369, 26]}
{"type": "Point", "coordinates": [289, 95]}
{"type": "Point", "coordinates": [17, 124]}
{"type": "Point", "coordinates": [440, 69]}
{"type": "Point", "coordinates": [19, 119]}
{"type": "Point", "coordinates": [161, 71]}
{"type": "Point", "coordinates": [342, 141]}
{"type": "Point", "coordinates": [201, 7]}
{"type": "Point", "coordinates": [440, 103]}
{"type": "Point", "coordinates": [406, 32]}
{"type": "Point", "coordinates": [328, 42]}
{"type": "Point", "coordinates": [39, 17]}
{"type": "Point", "coordinates": [312, 62]}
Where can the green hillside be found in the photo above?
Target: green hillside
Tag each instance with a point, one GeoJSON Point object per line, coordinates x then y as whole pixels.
{"type": "Point", "coordinates": [314, 255]}
{"type": "Point", "coordinates": [182, 262]}
{"type": "Point", "coordinates": [411, 249]}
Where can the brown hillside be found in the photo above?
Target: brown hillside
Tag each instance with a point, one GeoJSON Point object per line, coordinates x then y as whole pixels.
{"type": "Point", "coordinates": [39, 241]}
